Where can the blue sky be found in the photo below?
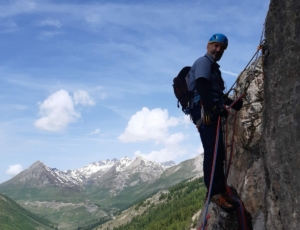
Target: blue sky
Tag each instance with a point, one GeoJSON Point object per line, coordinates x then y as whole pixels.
{"type": "Point", "coordinates": [83, 81]}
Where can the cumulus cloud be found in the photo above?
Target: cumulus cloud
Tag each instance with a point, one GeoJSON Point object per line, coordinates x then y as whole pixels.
{"type": "Point", "coordinates": [171, 151]}
{"type": "Point", "coordinates": [186, 120]}
{"type": "Point", "coordinates": [200, 149]}
{"type": "Point", "coordinates": [154, 125]}
{"type": "Point", "coordinates": [174, 138]}
{"type": "Point", "coordinates": [96, 131]}
{"type": "Point", "coordinates": [53, 23]}
{"type": "Point", "coordinates": [148, 125]}
{"type": "Point", "coordinates": [174, 149]}
{"type": "Point", "coordinates": [14, 169]}
{"type": "Point", "coordinates": [83, 98]}
{"type": "Point", "coordinates": [166, 154]}
{"type": "Point", "coordinates": [56, 112]}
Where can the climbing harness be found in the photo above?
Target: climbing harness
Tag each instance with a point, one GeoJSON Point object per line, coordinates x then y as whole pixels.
{"type": "Point", "coordinates": [240, 210]}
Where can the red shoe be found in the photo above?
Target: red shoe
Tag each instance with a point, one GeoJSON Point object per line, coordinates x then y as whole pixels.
{"type": "Point", "coordinates": [229, 199]}
{"type": "Point", "coordinates": [221, 201]}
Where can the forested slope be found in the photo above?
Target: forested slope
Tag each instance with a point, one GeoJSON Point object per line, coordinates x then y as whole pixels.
{"type": "Point", "coordinates": [181, 202]}
{"type": "Point", "coordinates": [15, 217]}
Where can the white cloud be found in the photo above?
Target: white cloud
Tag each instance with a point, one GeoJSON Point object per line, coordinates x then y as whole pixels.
{"type": "Point", "coordinates": [96, 131]}
{"type": "Point", "coordinates": [93, 19]}
{"type": "Point", "coordinates": [54, 23]}
{"type": "Point", "coordinates": [20, 107]}
{"type": "Point", "coordinates": [200, 149]}
{"type": "Point", "coordinates": [229, 73]}
{"type": "Point", "coordinates": [48, 34]}
{"type": "Point", "coordinates": [8, 27]}
{"type": "Point", "coordinates": [148, 125]}
{"type": "Point", "coordinates": [171, 152]}
{"type": "Point", "coordinates": [83, 98]}
{"type": "Point", "coordinates": [174, 139]}
{"type": "Point", "coordinates": [153, 125]}
{"type": "Point", "coordinates": [14, 169]}
{"type": "Point", "coordinates": [17, 7]}
{"type": "Point", "coordinates": [186, 120]}
{"type": "Point", "coordinates": [57, 111]}
{"type": "Point", "coordinates": [97, 91]}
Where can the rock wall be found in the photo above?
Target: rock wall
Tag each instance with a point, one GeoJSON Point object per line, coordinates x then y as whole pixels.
{"type": "Point", "coordinates": [280, 144]}
{"type": "Point", "coordinates": [266, 164]}
{"type": "Point", "coordinates": [247, 169]}
{"type": "Point", "coordinates": [266, 157]}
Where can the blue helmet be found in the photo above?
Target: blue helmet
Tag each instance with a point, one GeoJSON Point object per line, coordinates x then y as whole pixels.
{"type": "Point", "coordinates": [220, 38]}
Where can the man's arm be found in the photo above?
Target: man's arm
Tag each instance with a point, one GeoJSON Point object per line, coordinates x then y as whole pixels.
{"type": "Point", "coordinates": [203, 88]}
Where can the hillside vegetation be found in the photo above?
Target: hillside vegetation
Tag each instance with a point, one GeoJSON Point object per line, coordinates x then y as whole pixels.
{"type": "Point", "coordinates": [15, 217]}
{"type": "Point", "coordinates": [181, 202]}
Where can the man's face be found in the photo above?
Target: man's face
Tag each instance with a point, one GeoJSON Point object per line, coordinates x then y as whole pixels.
{"type": "Point", "coordinates": [215, 50]}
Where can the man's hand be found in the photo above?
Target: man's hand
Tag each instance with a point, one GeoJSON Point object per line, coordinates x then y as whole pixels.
{"type": "Point", "coordinates": [206, 115]}
{"type": "Point", "coordinates": [237, 106]}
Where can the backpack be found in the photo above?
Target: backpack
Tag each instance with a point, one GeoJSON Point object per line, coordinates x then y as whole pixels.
{"type": "Point", "coordinates": [181, 90]}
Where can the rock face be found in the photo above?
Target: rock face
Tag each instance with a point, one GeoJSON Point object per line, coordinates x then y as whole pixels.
{"type": "Point", "coordinates": [245, 170]}
{"type": "Point", "coordinates": [266, 158]}
{"type": "Point", "coordinates": [219, 219]}
{"type": "Point", "coordinates": [280, 145]}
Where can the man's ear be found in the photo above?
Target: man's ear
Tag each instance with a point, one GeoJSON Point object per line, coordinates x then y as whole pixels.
{"type": "Point", "coordinates": [207, 46]}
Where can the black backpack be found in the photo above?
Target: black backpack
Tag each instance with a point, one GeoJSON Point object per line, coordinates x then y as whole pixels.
{"type": "Point", "coordinates": [181, 91]}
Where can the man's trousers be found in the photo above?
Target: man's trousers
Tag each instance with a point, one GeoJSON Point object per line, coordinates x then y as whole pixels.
{"type": "Point", "coordinates": [208, 138]}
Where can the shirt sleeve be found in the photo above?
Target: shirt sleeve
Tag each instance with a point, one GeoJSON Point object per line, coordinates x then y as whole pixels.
{"type": "Point", "coordinates": [203, 68]}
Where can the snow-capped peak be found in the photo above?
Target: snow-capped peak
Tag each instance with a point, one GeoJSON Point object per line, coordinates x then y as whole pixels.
{"type": "Point", "coordinates": [123, 163]}
{"type": "Point", "coordinates": [88, 170]}
{"type": "Point", "coordinates": [168, 164]}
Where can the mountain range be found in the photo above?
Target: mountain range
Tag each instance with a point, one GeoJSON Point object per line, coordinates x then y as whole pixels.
{"type": "Point", "coordinates": [95, 192]}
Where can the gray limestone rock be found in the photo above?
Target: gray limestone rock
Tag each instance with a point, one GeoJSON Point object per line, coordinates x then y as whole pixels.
{"type": "Point", "coordinates": [266, 158]}
{"type": "Point", "coordinates": [219, 219]}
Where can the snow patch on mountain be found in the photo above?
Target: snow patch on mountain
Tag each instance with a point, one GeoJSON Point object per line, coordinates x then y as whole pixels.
{"type": "Point", "coordinates": [123, 163]}
{"type": "Point", "coordinates": [88, 170]}
{"type": "Point", "coordinates": [168, 164]}
{"type": "Point", "coordinates": [64, 177]}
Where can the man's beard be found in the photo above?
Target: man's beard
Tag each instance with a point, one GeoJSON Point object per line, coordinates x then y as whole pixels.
{"type": "Point", "coordinates": [216, 56]}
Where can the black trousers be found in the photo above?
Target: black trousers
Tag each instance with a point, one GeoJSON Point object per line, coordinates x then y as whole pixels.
{"type": "Point", "coordinates": [208, 137]}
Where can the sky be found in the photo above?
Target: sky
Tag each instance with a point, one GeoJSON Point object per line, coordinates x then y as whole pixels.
{"type": "Point", "coordinates": [84, 81]}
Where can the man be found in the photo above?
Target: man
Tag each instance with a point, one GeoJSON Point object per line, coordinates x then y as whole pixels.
{"type": "Point", "coordinates": [206, 82]}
